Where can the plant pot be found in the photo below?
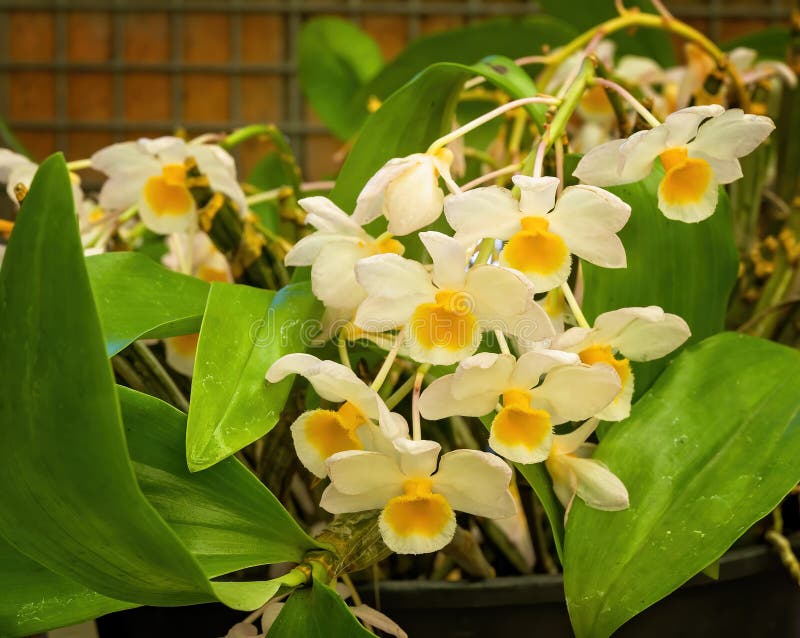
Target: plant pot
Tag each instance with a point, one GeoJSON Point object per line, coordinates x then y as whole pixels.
{"type": "Point", "coordinates": [754, 597]}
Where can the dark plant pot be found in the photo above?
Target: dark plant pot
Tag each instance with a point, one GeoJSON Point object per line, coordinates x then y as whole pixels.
{"type": "Point", "coordinates": [754, 597]}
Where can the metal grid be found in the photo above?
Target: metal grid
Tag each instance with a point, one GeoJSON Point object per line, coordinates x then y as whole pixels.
{"type": "Point", "coordinates": [710, 15]}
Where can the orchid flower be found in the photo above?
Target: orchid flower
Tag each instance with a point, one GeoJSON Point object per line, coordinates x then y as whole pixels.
{"type": "Point", "coordinates": [405, 191]}
{"type": "Point", "coordinates": [416, 498]}
{"type": "Point", "coordinates": [151, 174]}
{"type": "Point", "coordinates": [18, 169]}
{"type": "Point", "coordinates": [332, 252]}
{"type": "Point", "coordinates": [638, 334]}
{"type": "Point", "coordinates": [699, 148]}
{"type": "Point", "coordinates": [543, 233]}
{"type": "Point", "coordinates": [522, 431]}
{"type": "Point", "coordinates": [319, 434]}
{"type": "Point", "coordinates": [443, 313]}
{"type": "Point", "coordinates": [575, 474]}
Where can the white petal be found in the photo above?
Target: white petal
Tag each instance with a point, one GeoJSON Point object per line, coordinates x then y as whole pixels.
{"type": "Point", "coordinates": [565, 483]}
{"type": "Point", "coordinates": [20, 174]}
{"type": "Point", "coordinates": [537, 194]}
{"type": "Point", "coordinates": [733, 134]}
{"type": "Point", "coordinates": [642, 334]}
{"type": "Point", "coordinates": [380, 314]}
{"type": "Point", "coordinates": [128, 168]}
{"type": "Point", "coordinates": [588, 218]}
{"type": "Point", "coordinates": [371, 199]}
{"type": "Point", "coordinates": [337, 502]}
{"type": "Point", "coordinates": [413, 199]}
{"type": "Point", "coordinates": [601, 165]}
{"type": "Point", "coordinates": [333, 276]}
{"type": "Point", "coordinates": [725, 170]}
{"type": "Point", "coordinates": [620, 408]}
{"type": "Point", "coordinates": [358, 472]}
{"type": "Point", "coordinates": [305, 251]}
{"type": "Point", "coordinates": [324, 215]}
{"type": "Point", "coordinates": [637, 69]}
{"type": "Point", "coordinates": [743, 58]}
{"type": "Point", "coordinates": [417, 458]}
{"type": "Point", "coordinates": [437, 401]}
{"type": "Point", "coordinates": [215, 163]}
{"type": "Point", "coordinates": [475, 482]}
{"type": "Point", "coordinates": [295, 363]}
{"type": "Point", "coordinates": [568, 443]}
{"type": "Point", "coordinates": [308, 453]}
{"type": "Point", "coordinates": [577, 392]}
{"type": "Point", "coordinates": [691, 212]}
{"type": "Point", "coordinates": [532, 365]}
{"type": "Point", "coordinates": [497, 292]}
{"type": "Point", "coordinates": [10, 161]}
{"type": "Point", "coordinates": [482, 212]}
{"type": "Point", "coordinates": [682, 125]}
{"type": "Point", "coordinates": [389, 275]}
{"type": "Point", "coordinates": [484, 373]}
{"type": "Point", "coordinates": [573, 340]}
{"type": "Point", "coordinates": [417, 543]}
{"type": "Point", "coordinates": [449, 259]}
{"type": "Point", "coordinates": [640, 151]}
{"type": "Point", "coordinates": [597, 485]}
{"type": "Point", "coordinates": [177, 356]}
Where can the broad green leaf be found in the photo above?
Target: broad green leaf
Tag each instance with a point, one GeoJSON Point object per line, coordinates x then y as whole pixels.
{"type": "Point", "coordinates": [225, 516]}
{"type": "Point", "coordinates": [586, 14]}
{"type": "Point", "coordinates": [708, 451]}
{"type": "Point", "coordinates": [334, 60]}
{"type": "Point", "coordinates": [244, 331]}
{"type": "Point", "coordinates": [316, 612]}
{"type": "Point", "coordinates": [33, 599]}
{"type": "Point", "coordinates": [538, 478]}
{"type": "Point", "coordinates": [70, 498]}
{"type": "Point", "coordinates": [687, 269]}
{"type": "Point", "coordinates": [771, 43]}
{"type": "Point", "coordinates": [509, 37]}
{"type": "Point", "coordinates": [137, 298]}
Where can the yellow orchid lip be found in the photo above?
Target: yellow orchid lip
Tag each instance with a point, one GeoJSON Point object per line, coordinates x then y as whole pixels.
{"type": "Point", "coordinates": [686, 179]}
{"type": "Point", "coordinates": [600, 353]}
{"type": "Point", "coordinates": [168, 193]}
{"type": "Point", "coordinates": [518, 424]}
{"type": "Point", "coordinates": [418, 511]}
{"type": "Point", "coordinates": [447, 322]}
{"type": "Point", "coordinates": [534, 249]}
{"type": "Point", "coordinates": [330, 432]}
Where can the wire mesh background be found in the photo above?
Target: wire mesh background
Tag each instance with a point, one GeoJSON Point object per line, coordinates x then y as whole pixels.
{"type": "Point", "coordinates": [76, 75]}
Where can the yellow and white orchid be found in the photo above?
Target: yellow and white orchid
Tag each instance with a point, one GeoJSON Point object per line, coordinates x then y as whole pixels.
{"type": "Point", "coordinates": [522, 431]}
{"type": "Point", "coordinates": [333, 251]}
{"type": "Point", "coordinates": [699, 148]}
{"type": "Point", "coordinates": [638, 334]}
{"type": "Point", "coordinates": [151, 174]}
{"type": "Point", "coordinates": [319, 434]}
{"type": "Point", "coordinates": [442, 313]}
{"type": "Point", "coordinates": [417, 499]}
{"type": "Point", "coordinates": [18, 169]}
{"type": "Point", "coordinates": [405, 191]}
{"type": "Point", "coordinates": [575, 474]}
{"type": "Point", "coordinates": [543, 233]}
{"type": "Point", "coordinates": [208, 264]}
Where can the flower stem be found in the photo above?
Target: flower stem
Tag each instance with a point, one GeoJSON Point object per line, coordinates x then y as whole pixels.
{"type": "Point", "coordinates": [341, 343]}
{"type": "Point", "coordinates": [415, 420]}
{"type": "Point", "coordinates": [506, 170]}
{"type": "Point", "coordinates": [79, 165]}
{"type": "Point", "coordinates": [574, 306]}
{"type": "Point", "coordinates": [387, 363]}
{"type": "Point", "coordinates": [651, 119]}
{"type": "Point", "coordinates": [469, 126]}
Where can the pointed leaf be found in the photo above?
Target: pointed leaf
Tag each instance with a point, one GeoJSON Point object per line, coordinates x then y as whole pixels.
{"type": "Point", "coordinates": [138, 298]}
{"type": "Point", "coordinates": [708, 451]}
{"type": "Point", "coordinates": [241, 336]}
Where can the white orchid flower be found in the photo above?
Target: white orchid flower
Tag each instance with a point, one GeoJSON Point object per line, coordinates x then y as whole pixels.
{"type": "Point", "coordinates": [699, 148]}
{"type": "Point", "coordinates": [152, 175]}
{"type": "Point", "coordinates": [208, 264]}
{"type": "Point", "coordinates": [18, 169]}
{"type": "Point", "coordinates": [319, 434]}
{"type": "Point", "coordinates": [443, 313]}
{"type": "Point", "coordinates": [332, 252]}
{"type": "Point", "coordinates": [405, 191]}
{"type": "Point", "coordinates": [638, 334]}
{"type": "Point", "coordinates": [575, 474]}
{"type": "Point", "coordinates": [417, 499]}
{"type": "Point", "coordinates": [522, 431]}
{"type": "Point", "coordinates": [543, 233]}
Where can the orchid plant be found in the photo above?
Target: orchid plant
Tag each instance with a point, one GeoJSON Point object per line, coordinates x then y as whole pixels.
{"type": "Point", "coordinates": [412, 354]}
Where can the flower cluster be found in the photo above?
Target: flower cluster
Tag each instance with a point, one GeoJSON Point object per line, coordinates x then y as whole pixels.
{"type": "Point", "coordinates": [508, 247]}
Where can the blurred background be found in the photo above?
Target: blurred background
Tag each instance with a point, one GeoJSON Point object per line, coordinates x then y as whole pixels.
{"type": "Point", "coordinates": [76, 75]}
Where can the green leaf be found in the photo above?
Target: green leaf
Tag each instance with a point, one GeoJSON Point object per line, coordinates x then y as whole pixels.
{"type": "Point", "coordinates": [244, 331]}
{"type": "Point", "coordinates": [33, 599]}
{"type": "Point", "coordinates": [137, 299]}
{"type": "Point", "coordinates": [771, 43]}
{"type": "Point", "coordinates": [334, 60]}
{"type": "Point", "coordinates": [316, 612]}
{"type": "Point", "coordinates": [687, 269]}
{"type": "Point", "coordinates": [707, 452]}
{"type": "Point", "coordinates": [509, 37]}
{"type": "Point", "coordinates": [70, 500]}
{"type": "Point", "coordinates": [586, 14]}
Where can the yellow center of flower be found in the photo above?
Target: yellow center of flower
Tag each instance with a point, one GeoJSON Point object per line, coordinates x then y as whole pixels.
{"type": "Point", "coordinates": [418, 512]}
{"type": "Point", "coordinates": [387, 244]}
{"type": "Point", "coordinates": [520, 424]}
{"type": "Point", "coordinates": [167, 194]}
{"type": "Point", "coordinates": [185, 345]}
{"type": "Point", "coordinates": [534, 249]}
{"type": "Point", "coordinates": [209, 274]}
{"type": "Point", "coordinates": [596, 102]}
{"type": "Point", "coordinates": [687, 178]}
{"type": "Point", "coordinates": [446, 323]}
{"type": "Point", "coordinates": [331, 432]}
{"type": "Point", "coordinates": [602, 354]}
